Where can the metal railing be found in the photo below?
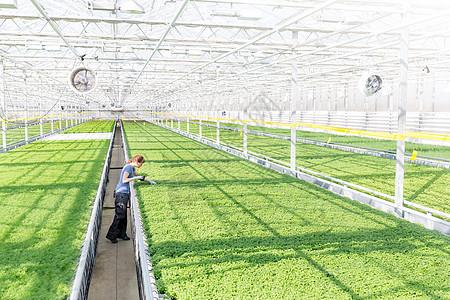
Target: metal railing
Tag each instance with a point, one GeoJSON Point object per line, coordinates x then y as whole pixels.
{"type": "Point", "coordinates": [421, 159]}
{"type": "Point", "coordinates": [21, 142]}
{"type": "Point", "coordinates": [86, 263]}
{"type": "Point", "coordinates": [427, 122]}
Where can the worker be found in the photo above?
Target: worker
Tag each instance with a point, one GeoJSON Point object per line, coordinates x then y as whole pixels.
{"type": "Point", "coordinates": [118, 228]}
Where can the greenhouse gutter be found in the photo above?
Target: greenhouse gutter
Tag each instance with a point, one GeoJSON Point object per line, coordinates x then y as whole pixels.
{"type": "Point", "coordinates": [86, 263]}
{"type": "Point", "coordinates": [411, 215]}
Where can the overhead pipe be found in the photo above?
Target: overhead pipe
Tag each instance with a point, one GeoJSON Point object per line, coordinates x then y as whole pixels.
{"type": "Point", "coordinates": [289, 21]}
{"type": "Point", "coordinates": [55, 28]}
{"type": "Point", "coordinates": [350, 41]}
{"type": "Point", "coordinates": [169, 27]}
{"type": "Point", "coordinates": [394, 42]}
{"type": "Point", "coordinates": [61, 35]}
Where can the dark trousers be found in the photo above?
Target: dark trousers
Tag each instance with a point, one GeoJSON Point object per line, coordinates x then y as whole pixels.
{"type": "Point", "coordinates": [118, 228]}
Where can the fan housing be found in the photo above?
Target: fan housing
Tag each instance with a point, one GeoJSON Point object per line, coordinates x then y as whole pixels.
{"type": "Point", "coordinates": [370, 84]}
{"type": "Point", "coordinates": [82, 80]}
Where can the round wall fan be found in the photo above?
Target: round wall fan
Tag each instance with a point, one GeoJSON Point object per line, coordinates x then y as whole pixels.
{"type": "Point", "coordinates": [83, 80]}
{"type": "Point", "coordinates": [370, 84]}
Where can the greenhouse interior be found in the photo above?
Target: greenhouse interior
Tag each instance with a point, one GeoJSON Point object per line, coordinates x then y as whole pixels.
{"type": "Point", "coordinates": [225, 149]}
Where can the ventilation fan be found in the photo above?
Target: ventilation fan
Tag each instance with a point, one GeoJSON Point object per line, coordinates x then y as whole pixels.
{"type": "Point", "coordinates": [82, 80]}
{"type": "Point", "coordinates": [370, 84]}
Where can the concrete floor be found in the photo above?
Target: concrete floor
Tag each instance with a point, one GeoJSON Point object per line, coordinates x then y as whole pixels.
{"type": "Point", "coordinates": [114, 275]}
{"type": "Point", "coordinates": [78, 136]}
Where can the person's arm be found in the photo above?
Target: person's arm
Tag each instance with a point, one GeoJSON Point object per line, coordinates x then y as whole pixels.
{"type": "Point", "coordinates": [125, 177]}
{"type": "Point", "coordinates": [142, 178]}
{"type": "Point", "coordinates": [139, 177]}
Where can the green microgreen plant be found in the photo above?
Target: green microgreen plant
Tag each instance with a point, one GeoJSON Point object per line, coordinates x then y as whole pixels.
{"type": "Point", "coordinates": [221, 227]}
{"type": "Point", "coordinates": [47, 190]}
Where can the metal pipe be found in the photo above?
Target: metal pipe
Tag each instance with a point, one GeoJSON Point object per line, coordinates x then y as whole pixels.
{"type": "Point", "coordinates": [55, 28]}
{"type": "Point", "coordinates": [289, 21]}
{"type": "Point", "coordinates": [400, 156]}
{"type": "Point", "coordinates": [169, 27]}
{"type": "Point", "coordinates": [294, 93]}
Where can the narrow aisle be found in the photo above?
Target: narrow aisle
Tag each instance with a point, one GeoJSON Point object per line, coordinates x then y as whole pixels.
{"type": "Point", "coordinates": [114, 275]}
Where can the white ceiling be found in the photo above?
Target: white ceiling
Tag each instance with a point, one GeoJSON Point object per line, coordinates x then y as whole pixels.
{"type": "Point", "coordinates": [184, 48]}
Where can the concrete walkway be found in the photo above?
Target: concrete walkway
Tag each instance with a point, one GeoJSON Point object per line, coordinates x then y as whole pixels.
{"type": "Point", "coordinates": [78, 136]}
{"type": "Point", "coordinates": [114, 275]}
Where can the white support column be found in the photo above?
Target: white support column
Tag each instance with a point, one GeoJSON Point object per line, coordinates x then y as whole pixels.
{"type": "Point", "coordinates": [246, 99]}
{"type": "Point", "coordinates": [3, 104]}
{"type": "Point", "coordinates": [179, 124]}
{"type": "Point", "coordinates": [53, 129]}
{"type": "Point", "coordinates": [60, 118]}
{"type": "Point", "coordinates": [420, 87]}
{"type": "Point", "coordinates": [4, 133]}
{"type": "Point", "coordinates": [218, 131]}
{"type": "Point", "coordinates": [201, 108]}
{"type": "Point", "coordinates": [400, 156]}
{"type": "Point", "coordinates": [217, 107]}
{"type": "Point", "coordinates": [294, 90]}
{"type": "Point", "coordinates": [346, 99]}
{"type": "Point", "coordinates": [187, 124]}
{"type": "Point", "coordinates": [25, 97]}
{"type": "Point", "coordinates": [433, 92]}
{"type": "Point", "coordinates": [329, 103]}
{"type": "Point", "coordinates": [41, 131]}
{"type": "Point", "coordinates": [313, 93]}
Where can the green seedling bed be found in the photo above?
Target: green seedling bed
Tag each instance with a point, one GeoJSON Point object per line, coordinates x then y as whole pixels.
{"type": "Point", "coordinates": [46, 191]}
{"type": "Point", "coordinates": [423, 185]}
{"type": "Point", "coordinates": [91, 127]}
{"type": "Point", "coordinates": [220, 227]}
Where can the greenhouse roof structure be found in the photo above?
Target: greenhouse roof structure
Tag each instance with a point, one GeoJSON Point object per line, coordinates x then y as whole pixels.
{"type": "Point", "coordinates": [150, 51]}
{"type": "Point", "coordinates": [270, 127]}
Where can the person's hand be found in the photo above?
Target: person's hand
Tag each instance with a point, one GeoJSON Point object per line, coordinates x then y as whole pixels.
{"type": "Point", "coordinates": [141, 178]}
{"type": "Point", "coordinates": [152, 182]}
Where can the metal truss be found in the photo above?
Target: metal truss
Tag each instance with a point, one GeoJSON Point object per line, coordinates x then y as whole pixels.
{"type": "Point", "coordinates": [176, 48]}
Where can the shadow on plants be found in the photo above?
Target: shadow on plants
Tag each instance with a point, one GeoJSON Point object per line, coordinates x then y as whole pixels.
{"type": "Point", "coordinates": [437, 175]}
{"type": "Point", "coordinates": [225, 255]}
{"type": "Point", "coordinates": [244, 229]}
{"type": "Point", "coordinates": [42, 239]}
